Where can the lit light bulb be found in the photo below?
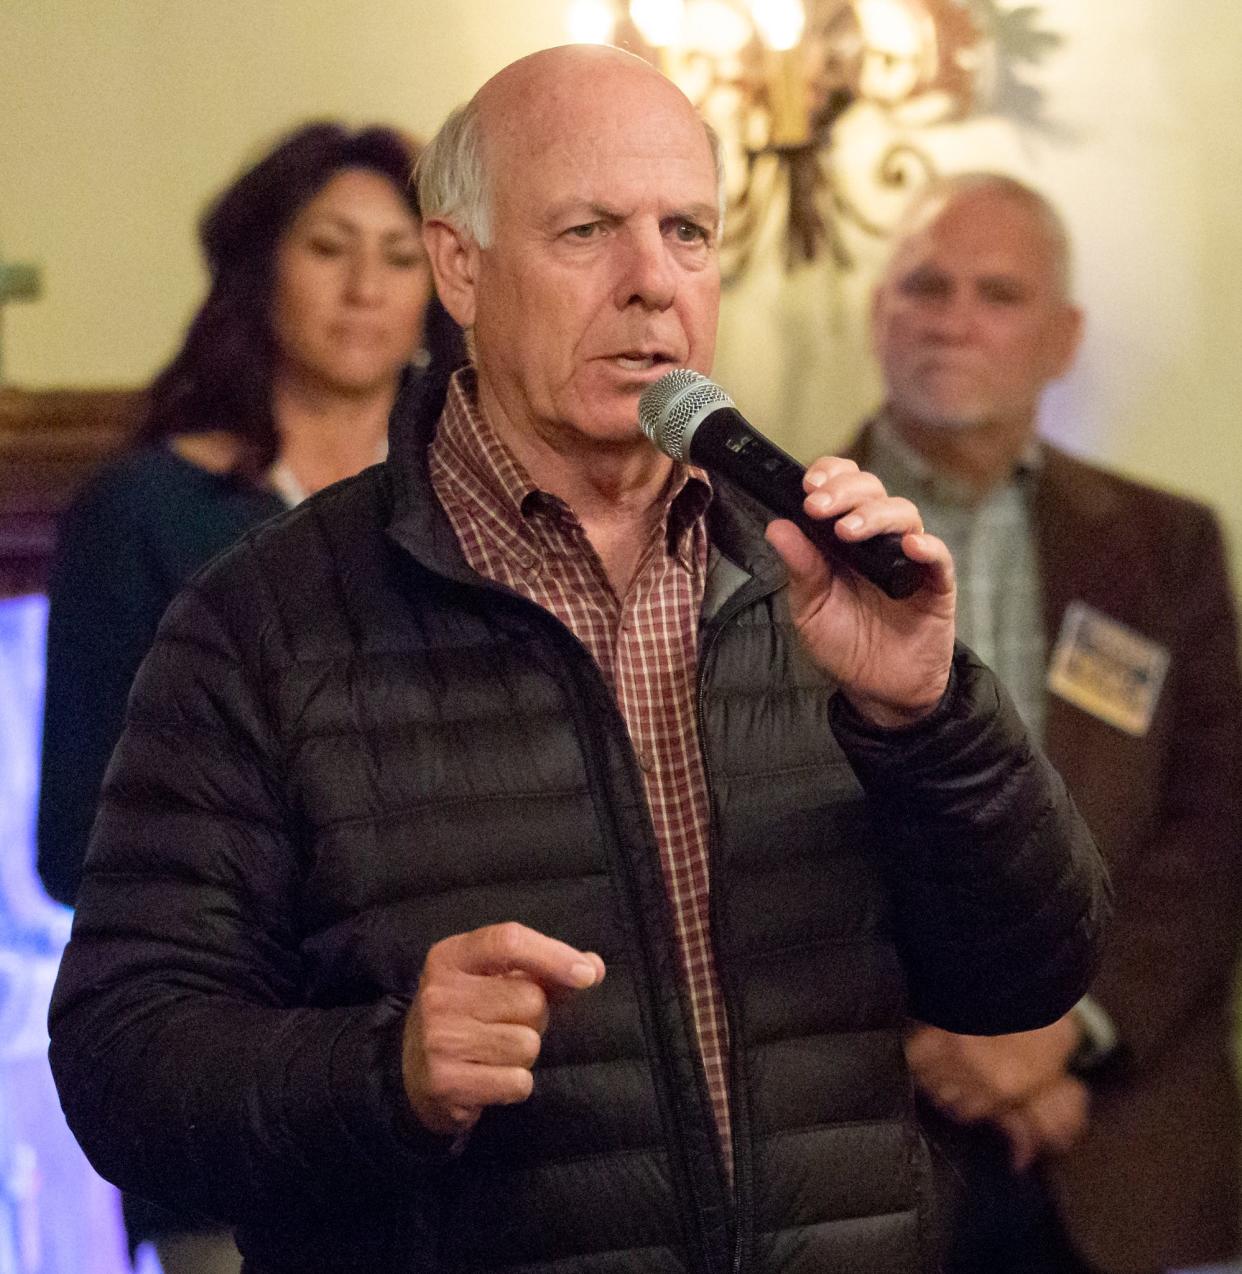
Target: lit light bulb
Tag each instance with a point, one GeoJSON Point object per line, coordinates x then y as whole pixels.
{"type": "Point", "coordinates": [716, 28]}
{"type": "Point", "coordinates": [590, 22]}
{"type": "Point", "coordinates": [780, 23]}
{"type": "Point", "coordinates": [899, 49]}
{"type": "Point", "coordinates": [889, 25]}
{"type": "Point", "coordinates": [659, 22]}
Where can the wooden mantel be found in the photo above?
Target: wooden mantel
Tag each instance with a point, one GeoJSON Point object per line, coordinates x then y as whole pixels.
{"type": "Point", "coordinates": [50, 441]}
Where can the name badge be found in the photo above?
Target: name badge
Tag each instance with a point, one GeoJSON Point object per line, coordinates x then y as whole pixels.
{"type": "Point", "coordinates": [1107, 669]}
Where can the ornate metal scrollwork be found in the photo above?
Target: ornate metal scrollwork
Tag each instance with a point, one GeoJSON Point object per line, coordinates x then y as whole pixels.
{"type": "Point", "coordinates": [912, 64]}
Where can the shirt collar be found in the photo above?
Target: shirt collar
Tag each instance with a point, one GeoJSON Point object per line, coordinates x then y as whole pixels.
{"type": "Point", "coordinates": [894, 455]}
{"type": "Point", "coordinates": [470, 448]}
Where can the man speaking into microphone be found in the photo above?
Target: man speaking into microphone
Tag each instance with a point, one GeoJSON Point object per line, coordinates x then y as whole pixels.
{"type": "Point", "coordinates": [522, 857]}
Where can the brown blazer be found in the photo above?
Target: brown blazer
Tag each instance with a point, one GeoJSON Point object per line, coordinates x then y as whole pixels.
{"type": "Point", "coordinates": [1155, 1182]}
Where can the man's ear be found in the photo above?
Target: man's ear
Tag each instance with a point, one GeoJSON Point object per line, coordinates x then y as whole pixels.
{"type": "Point", "coordinates": [1068, 339]}
{"type": "Point", "coordinates": [454, 258]}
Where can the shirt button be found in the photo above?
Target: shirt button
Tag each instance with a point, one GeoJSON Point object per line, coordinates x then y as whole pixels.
{"type": "Point", "coordinates": [646, 762]}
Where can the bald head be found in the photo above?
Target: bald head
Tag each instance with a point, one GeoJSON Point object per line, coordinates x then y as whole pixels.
{"type": "Point", "coordinates": [945, 194]}
{"type": "Point", "coordinates": [534, 102]}
{"type": "Point", "coordinates": [539, 85]}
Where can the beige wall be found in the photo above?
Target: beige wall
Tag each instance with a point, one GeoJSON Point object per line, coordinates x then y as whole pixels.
{"type": "Point", "coordinates": [120, 117]}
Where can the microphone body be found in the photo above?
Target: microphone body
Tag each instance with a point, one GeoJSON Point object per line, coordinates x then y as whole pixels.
{"type": "Point", "coordinates": [692, 419]}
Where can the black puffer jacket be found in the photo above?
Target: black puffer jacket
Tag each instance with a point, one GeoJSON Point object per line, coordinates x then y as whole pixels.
{"type": "Point", "coordinates": [345, 746]}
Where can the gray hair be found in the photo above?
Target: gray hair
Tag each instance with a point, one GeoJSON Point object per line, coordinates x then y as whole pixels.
{"type": "Point", "coordinates": [931, 200]}
{"type": "Point", "coordinates": [454, 184]}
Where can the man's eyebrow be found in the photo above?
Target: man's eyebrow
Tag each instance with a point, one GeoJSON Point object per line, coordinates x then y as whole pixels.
{"type": "Point", "coordinates": [584, 210]}
{"type": "Point", "coordinates": [704, 213]}
{"type": "Point", "coordinates": [581, 210]}
{"type": "Point", "coordinates": [920, 273]}
{"type": "Point", "coordinates": [1005, 283]}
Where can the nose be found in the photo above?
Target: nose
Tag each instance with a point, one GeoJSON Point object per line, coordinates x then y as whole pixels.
{"type": "Point", "coordinates": [647, 275]}
{"type": "Point", "coordinates": [364, 275]}
{"type": "Point", "coordinates": [950, 316]}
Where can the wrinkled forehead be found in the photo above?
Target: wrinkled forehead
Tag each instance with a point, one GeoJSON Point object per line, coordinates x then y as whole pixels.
{"type": "Point", "coordinates": [983, 234]}
{"type": "Point", "coordinates": [628, 136]}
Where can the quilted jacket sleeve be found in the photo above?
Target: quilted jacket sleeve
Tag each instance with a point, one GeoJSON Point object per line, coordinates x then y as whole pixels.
{"type": "Point", "coordinates": [185, 1067]}
{"type": "Point", "coordinates": [1000, 894]}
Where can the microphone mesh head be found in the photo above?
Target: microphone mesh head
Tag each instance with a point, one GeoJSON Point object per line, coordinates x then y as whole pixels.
{"type": "Point", "coordinates": [673, 404]}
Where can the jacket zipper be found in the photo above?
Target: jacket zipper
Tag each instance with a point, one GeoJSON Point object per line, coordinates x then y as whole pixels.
{"type": "Point", "coordinates": [741, 1193]}
{"type": "Point", "coordinates": [738, 1110]}
{"type": "Point", "coordinates": [588, 727]}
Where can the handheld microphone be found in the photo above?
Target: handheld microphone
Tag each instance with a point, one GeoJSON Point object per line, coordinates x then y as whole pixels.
{"type": "Point", "coordinates": [693, 420]}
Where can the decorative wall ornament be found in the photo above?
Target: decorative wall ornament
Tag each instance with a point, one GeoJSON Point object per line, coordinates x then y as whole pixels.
{"type": "Point", "coordinates": [781, 80]}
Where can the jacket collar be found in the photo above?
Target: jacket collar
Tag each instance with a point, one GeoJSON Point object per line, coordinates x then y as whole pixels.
{"type": "Point", "coordinates": [1073, 509]}
{"type": "Point", "coordinates": [419, 525]}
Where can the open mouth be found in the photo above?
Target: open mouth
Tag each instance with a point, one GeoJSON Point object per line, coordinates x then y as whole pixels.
{"type": "Point", "coordinates": [635, 362]}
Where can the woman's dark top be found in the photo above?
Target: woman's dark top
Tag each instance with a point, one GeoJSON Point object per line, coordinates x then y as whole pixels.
{"type": "Point", "coordinates": [130, 540]}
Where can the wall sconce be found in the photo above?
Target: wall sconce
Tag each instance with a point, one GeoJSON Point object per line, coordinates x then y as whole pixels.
{"type": "Point", "coordinates": [778, 77]}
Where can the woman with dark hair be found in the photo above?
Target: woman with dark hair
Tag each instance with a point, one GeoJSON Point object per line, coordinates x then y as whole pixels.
{"type": "Point", "coordinates": [319, 310]}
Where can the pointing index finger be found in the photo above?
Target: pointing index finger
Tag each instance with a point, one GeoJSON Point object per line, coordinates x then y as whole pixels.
{"type": "Point", "coordinates": [515, 948]}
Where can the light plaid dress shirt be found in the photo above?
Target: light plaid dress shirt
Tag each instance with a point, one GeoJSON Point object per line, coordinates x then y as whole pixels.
{"type": "Point", "coordinates": [992, 539]}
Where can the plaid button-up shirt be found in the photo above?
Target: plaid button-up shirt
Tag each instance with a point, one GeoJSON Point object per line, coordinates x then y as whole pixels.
{"type": "Point", "coordinates": [644, 642]}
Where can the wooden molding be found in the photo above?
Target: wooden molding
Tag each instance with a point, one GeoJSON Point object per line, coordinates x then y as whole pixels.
{"type": "Point", "coordinates": [50, 441]}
